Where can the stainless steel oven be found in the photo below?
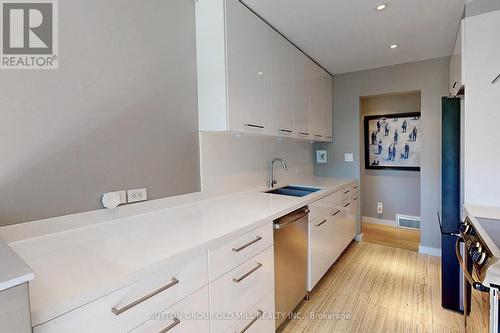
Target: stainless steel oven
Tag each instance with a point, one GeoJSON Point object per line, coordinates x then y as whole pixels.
{"type": "Point", "coordinates": [481, 303]}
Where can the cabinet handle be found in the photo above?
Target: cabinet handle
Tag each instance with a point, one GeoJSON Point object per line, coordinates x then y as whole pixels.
{"type": "Point", "coordinates": [495, 79]}
{"type": "Point", "coordinates": [169, 327]}
{"type": "Point", "coordinates": [336, 213]}
{"type": "Point", "coordinates": [284, 130]}
{"type": "Point", "coordinates": [454, 85]}
{"type": "Point", "coordinates": [347, 205]}
{"type": "Point", "coordinates": [355, 187]}
{"type": "Point", "coordinates": [304, 133]}
{"type": "Point", "coordinates": [254, 126]}
{"type": "Point", "coordinates": [244, 276]}
{"type": "Point", "coordinates": [318, 136]}
{"type": "Point", "coordinates": [355, 199]}
{"type": "Point", "coordinates": [117, 311]}
{"type": "Point", "coordinates": [347, 192]}
{"type": "Point", "coordinates": [330, 137]}
{"type": "Point", "coordinates": [259, 314]}
{"type": "Point", "coordinates": [319, 225]}
{"type": "Point", "coordinates": [238, 249]}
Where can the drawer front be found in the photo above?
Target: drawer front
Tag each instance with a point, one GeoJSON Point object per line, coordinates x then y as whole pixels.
{"type": "Point", "coordinates": [354, 190]}
{"type": "Point", "coordinates": [257, 319]}
{"type": "Point", "coordinates": [238, 250]}
{"type": "Point", "coordinates": [189, 315]}
{"type": "Point", "coordinates": [323, 207]}
{"type": "Point", "coordinates": [229, 297]}
{"type": "Point", "coordinates": [346, 193]}
{"type": "Point", "coordinates": [127, 308]}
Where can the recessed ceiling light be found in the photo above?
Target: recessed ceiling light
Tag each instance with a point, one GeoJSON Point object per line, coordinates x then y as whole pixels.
{"type": "Point", "coordinates": [394, 46]}
{"type": "Point", "coordinates": [381, 7]}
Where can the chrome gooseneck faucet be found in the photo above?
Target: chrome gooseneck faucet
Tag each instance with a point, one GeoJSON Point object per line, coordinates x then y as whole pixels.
{"type": "Point", "coordinates": [271, 179]}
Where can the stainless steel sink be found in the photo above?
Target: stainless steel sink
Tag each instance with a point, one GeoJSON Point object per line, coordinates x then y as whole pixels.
{"type": "Point", "coordinates": [294, 191]}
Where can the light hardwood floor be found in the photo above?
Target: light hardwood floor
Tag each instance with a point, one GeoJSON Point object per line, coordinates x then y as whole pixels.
{"type": "Point", "coordinates": [391, 236]}
{"type": "Point", "coordinates": [380, 289]}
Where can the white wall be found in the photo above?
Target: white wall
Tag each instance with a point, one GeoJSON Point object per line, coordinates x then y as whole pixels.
{"type": "Point", "coordinates": [431, 78]}
{"type": "Point", "coordinates": [231, 164]}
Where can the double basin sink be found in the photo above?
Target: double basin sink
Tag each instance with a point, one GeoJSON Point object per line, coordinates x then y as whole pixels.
{"type": "Point", "coordinates": [294, 191]}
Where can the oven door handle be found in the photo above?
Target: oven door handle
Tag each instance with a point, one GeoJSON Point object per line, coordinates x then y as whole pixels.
{"type": "Point", "coordinates": [477, 285]}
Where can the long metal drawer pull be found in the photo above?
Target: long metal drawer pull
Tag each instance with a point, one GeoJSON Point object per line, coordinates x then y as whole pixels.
{"type": "Point", "coordinates": [318, 136]}
{"type": "Point", "coordinates": [336, 213]}
{"type": "Point", "coordinates": [259, 314]}
{"type": "Point", "coordinates": [355, 187]}
{"type": "Point", "coordinates": [285, 130]}
{"type": "Point", "coordinates": [346, 205]}
{"type": "Point", "coordinates": [495, 79]}
{"type": "Point", "coordinates": [319, 225]}
{"type": "Point", "coordinates": [355, 199]}
{"type": "Point", "coordinates": [244, 276]}
{"type": "Point", "coordinates": [238, 249]}
{"type": "Point", "coordinates": [117, 311]}
{"type": "Point", "coordinates": [347, 192]}
{"type": "Point", "coordinates": [254, 126]}
{"type": "Point", "coordinates": [304, 133]}
{"type": "Point", "coordinates": [169, 327]}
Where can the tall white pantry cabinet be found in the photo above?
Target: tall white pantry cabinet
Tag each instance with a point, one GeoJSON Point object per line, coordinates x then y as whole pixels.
{"type": "Point", "coordinates": [251, 79]}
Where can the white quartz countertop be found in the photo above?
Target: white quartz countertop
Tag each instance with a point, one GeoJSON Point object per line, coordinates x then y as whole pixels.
{"type": "Point", "coordinates": [13, 270]}
{"type": "Point", "coordinates": [74, 266]}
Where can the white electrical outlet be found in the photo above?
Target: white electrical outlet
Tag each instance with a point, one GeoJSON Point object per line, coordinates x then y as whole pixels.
{"type": "Point", "coordinates": [380, 208]}
{"type": "Point", "coordinates": [138, 194]}
{"type": "Point", "coordinates": [321, 156]}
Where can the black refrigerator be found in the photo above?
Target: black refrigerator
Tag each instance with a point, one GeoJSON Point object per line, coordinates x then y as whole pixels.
{"type": "Point", "coordinates": [449, 221]}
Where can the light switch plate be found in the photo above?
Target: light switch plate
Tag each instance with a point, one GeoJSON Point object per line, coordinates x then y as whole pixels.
{"type": "Point", "coordinates": [321, 156]}
{"type": "Point", "coordinates": [349, 157]}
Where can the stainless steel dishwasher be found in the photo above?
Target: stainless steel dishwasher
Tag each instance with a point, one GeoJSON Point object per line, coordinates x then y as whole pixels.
{"type": "Point", "coordinates": [290, 262]}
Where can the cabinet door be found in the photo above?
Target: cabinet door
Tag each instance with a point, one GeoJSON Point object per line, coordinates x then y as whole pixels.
{"type": "Point", "coordinates": [248, 70]}
{"type": "Point", "coordinates": [327, 105]}
{"type": "Point", "coordinates": [482, 105]}
{"type": "Point", "coordinates": [300, 94]}
{"type": "Point", "coordinates": [281, 85]}
{"type": "Point", "coordinates": [315, 100]}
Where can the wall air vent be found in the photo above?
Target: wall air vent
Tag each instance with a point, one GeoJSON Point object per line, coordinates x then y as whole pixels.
{"type": "Point", "coordinates": [408, 222]}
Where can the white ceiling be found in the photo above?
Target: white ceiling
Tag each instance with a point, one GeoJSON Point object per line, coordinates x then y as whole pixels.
{"type": "Point", "coordinates": [350, 35]}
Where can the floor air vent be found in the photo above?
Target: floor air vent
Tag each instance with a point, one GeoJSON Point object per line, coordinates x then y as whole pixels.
{"type": "Point", "coordinates": [409, 222]}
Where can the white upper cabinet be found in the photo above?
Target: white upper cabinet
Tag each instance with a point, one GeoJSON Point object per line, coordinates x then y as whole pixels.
{"type": "Point", "coordinates": [282, 85]}
{"type": "Point", "coordinates": [251, 79]}
{"type": "Point", "coordinates": [327, 88]}
{"type": "Point", "coordinates": [300, 94]}
{"type": "Point", "coordinates": [456, 82]}
{"type": "Point", "coordinates": [248, 70]}
{"type": "Point", "coordinates": [315, 101]}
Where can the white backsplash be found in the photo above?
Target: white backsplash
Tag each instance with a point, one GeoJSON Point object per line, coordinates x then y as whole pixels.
{"type": "Point", "coordinates": [231, 163]}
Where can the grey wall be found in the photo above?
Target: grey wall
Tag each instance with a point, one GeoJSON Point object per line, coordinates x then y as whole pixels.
{"type": "Point", "coordinates": [119, 113]}
{"type": "Point", "coordinates": [399, 191]}
{"type": "Point", "coordinates": [477, 7]}
{"type": "Point", "coordinates": [431, 78]}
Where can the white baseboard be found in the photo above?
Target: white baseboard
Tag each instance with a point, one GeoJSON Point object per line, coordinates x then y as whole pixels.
{"type": "Point", "coordinates": [359, 237]}
{"type": "Point", "coordinates": [373, 220]}
{"type": "Point", "coordinates": [433, 251]}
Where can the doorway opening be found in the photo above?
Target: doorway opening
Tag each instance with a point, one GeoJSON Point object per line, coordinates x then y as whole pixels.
{"type": "Point", "coordinates": [392, 190]}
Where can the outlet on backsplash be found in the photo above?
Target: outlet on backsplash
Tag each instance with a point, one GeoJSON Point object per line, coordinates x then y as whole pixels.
{"type": "Point", "coordinates": [136, 195]}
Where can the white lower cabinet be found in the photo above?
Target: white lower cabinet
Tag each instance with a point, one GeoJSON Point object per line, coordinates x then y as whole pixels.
{"type": "Point", "coordinates": [127, 308]}
{"type": "Point", "coordinates": [332, 226]}
{"type": "Point", "coordinates": [257, 319]}
{"type": "Point", "coordinates": [238, 290]}
{"type": "Point", "coordinates": [189, 315]}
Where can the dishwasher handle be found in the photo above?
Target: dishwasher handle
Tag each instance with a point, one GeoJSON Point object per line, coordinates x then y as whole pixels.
{"type": "Point", "coordinates": [291, 218]}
